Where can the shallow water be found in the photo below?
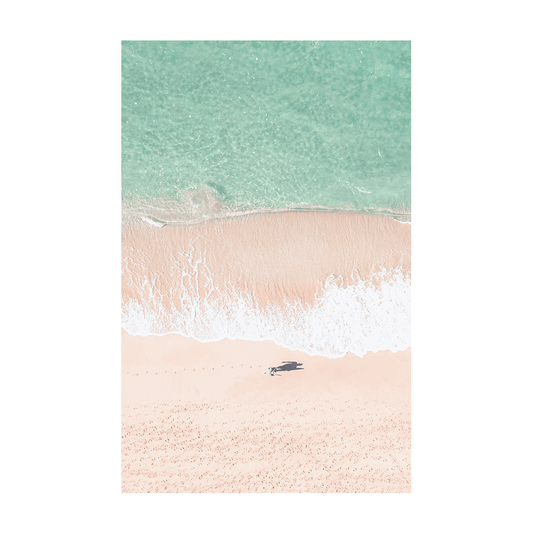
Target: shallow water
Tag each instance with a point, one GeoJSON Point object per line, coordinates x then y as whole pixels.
{"type": "Point", "coordinates": [241, 126]}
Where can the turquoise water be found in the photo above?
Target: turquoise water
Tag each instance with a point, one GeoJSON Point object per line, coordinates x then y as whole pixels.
{"type": "Point", "coordinates": [268, 125]}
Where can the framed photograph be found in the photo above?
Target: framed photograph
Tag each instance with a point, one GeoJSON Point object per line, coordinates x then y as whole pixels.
{"type": "Point", "coordinates": [266, 309]}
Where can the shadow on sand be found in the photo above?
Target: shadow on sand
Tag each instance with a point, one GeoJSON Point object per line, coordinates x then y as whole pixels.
{"type": "Point", "coordinates": [288, 366]}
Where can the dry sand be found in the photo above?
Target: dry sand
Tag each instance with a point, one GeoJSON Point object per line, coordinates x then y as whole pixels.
{"type": "Point", "coordinates": [201, 417]}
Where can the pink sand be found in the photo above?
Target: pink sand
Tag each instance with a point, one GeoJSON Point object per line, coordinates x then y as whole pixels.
{"type": "Point", "coordinates": [201, 417]}
{"type": "Point", "coordinates": [271, 257]}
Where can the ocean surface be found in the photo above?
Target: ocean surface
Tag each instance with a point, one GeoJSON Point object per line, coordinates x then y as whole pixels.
{"type": "Point", "coordinates": [212, 130]}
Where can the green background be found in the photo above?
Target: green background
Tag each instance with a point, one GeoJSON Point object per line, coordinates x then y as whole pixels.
{"type": "Point", "coordinates": [51, 467]}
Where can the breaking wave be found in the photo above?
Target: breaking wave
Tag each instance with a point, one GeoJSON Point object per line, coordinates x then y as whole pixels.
{"type": "Point", "coordinates": [361, 316]}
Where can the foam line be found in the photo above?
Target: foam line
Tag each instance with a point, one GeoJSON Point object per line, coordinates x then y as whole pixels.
{"type": "Point", "coordinates": [358, 318]}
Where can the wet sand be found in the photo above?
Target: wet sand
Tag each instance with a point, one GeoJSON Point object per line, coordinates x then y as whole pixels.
{"type": "Point", "coordinates": [272, 257]}
{"type": "Point", "coordinates": [202, 417]}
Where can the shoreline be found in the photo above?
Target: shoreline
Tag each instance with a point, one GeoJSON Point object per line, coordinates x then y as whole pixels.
{"type": "Point", "coordinates": [207, 416]}
{"type": "Point", "coordinates": [172, 212]}
{"type": "Point", "coordinates": [326, 283]}
{"type": "Point", "coordinates": [238, 366]}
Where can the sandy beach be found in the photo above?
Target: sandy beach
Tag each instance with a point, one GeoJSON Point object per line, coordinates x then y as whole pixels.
{"type": "Point", "coordinates": [202, 417]}
{"type": "Point", "coordinates": [266, 201]}
{"type": "Point", "coordinates": [323, 283]}
{"type": "Point", "coordinates": [207, 416]}
{"type": "Point", "coordinates": [273, 257]}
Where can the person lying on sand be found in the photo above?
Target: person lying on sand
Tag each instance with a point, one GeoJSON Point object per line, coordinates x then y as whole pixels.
{"type": "Point", "coordinates": [271, 371]}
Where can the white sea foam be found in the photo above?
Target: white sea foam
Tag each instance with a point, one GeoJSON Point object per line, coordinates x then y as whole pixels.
{"type": "Point", "coordinates": [358, 318]}
{"type": "Point", "coordinates": [153, 222]}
